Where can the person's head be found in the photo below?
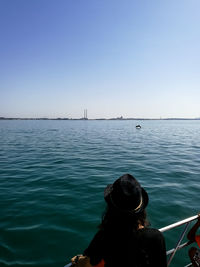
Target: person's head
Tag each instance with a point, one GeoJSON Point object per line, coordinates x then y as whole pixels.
{"type": "Point", "coordinates": [126, 200]}
{"type": "Point", "coordinates": [126, 195]}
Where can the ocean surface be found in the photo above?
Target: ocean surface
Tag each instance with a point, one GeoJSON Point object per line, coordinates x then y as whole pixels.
{"type": "Point", "coordinates": [53, 174]}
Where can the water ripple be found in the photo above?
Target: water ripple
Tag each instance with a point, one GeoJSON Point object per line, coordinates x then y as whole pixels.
{"type": "Point", "coordinates": [53, 173]}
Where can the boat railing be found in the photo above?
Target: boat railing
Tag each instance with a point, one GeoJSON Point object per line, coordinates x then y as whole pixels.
{"type": "Point", "coordinates": [171, 253]}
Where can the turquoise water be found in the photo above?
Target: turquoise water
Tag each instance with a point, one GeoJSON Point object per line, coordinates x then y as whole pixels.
{"type": "Point", "coordinates": [53, 173]}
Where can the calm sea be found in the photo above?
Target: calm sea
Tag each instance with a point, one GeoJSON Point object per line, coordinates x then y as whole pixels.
{"type": "Point", "coordinates": [53, 173]}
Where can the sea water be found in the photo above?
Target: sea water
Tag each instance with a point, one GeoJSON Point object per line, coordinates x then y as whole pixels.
{"type": "Point", "coordinates": [53, 174]}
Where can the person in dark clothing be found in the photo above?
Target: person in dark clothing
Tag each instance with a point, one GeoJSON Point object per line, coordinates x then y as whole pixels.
{"type": "Point", "coordinates": [124, 238]}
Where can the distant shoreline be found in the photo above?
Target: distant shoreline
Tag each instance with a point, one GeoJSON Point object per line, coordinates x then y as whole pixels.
{"type": "Point", "coordinates": [101, 119]}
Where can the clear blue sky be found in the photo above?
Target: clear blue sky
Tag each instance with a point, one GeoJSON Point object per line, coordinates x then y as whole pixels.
{"type": "Point", "coordinates": [135, 58]}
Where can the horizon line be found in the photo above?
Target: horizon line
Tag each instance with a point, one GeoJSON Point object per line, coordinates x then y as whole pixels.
{"type": "Point", "coordinates": [117, 118]}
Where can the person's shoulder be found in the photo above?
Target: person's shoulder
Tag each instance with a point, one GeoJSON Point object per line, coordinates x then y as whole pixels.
{"type": "Point", "coordinates": [152, 237]}
{"type": "Point", "coordinates": [151, 232]}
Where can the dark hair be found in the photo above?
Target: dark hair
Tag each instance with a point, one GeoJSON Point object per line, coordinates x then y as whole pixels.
{"type": "Point", "coordinates": [114, 219]}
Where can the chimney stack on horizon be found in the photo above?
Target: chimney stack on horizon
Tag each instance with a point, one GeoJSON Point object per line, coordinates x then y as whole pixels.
{"type": "Point", "coordinates": [85, 114]}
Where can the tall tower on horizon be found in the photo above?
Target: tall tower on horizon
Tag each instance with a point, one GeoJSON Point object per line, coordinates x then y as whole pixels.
{"type": "Point", "coordinates": [85, 115]}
